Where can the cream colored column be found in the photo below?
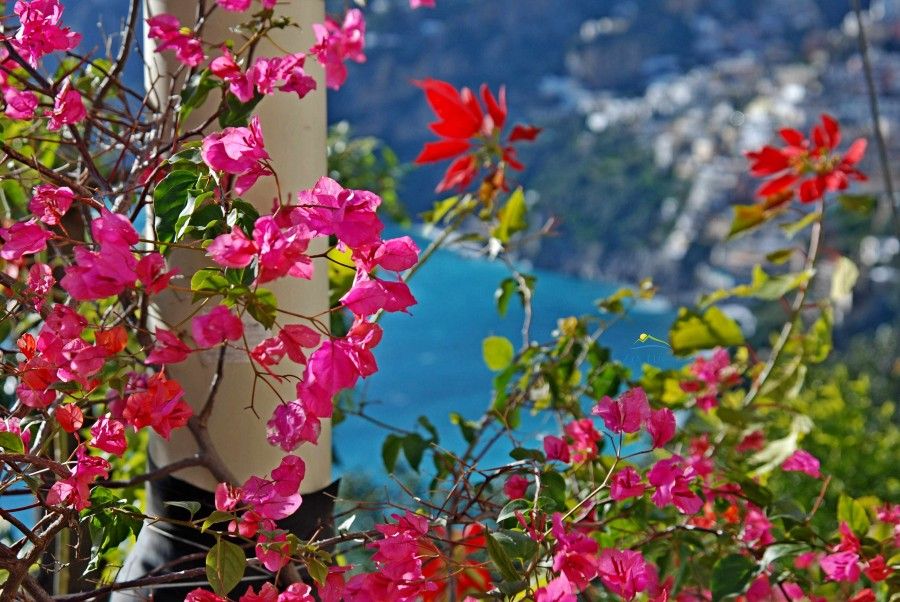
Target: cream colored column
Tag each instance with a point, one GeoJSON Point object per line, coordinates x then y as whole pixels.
{"type": "Point", "coordinates": [295, 137]}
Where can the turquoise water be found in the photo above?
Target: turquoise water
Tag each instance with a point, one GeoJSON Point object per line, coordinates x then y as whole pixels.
{"type": "Point", "coordinates": [430, 362]}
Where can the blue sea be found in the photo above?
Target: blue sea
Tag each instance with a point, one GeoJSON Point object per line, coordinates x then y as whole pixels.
{"type": "Point", "coordinates": [430, 362]}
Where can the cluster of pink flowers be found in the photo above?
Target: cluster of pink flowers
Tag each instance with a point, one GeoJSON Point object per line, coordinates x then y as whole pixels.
{"type": "Point", "coordinates": [711, 376]}
{"type": "Point", "coordinates": [172, 36]}
{"type": "Point", "coordinates": [578, 561]}
{"type": "Point", "coordinates": [239, 6]}
{"type": "Point", "coordinates": [113, 267]}
{"type": "Point", "coordinates": [337, 43]}
{"type": "Point", "coordinates": [265, 75]}
{"type": "Point", "coordinates": [239, 151]}
{"type": "Point", "coordinates": [40, 32]}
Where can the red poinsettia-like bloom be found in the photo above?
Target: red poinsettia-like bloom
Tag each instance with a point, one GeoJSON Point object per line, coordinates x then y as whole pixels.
{"type": "Point", "coordinates": [806, 167]}
{"type": "Point", "coordinates": [470, 134]}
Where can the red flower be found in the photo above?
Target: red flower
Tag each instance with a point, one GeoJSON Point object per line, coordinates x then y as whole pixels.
{"type": "Point", "coordinates": [470, 575]}
{"type": "Point", "coordinates": [808, 168]}
{"type": "Point", "coordinates": [470, 132]}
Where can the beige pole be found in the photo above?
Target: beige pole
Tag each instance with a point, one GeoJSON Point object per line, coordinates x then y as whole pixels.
{"type": "Point", "coordinates": [295, 137]}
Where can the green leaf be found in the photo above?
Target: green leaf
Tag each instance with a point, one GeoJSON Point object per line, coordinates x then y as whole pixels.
{"type": "Point", "coordinates": [170, 197]}
{"type": "Point", "coordinates": [793, 228]}
{"type": "Point", "coordinates": [511, 216]}
{"type": "Point", "coordinates": [521, 453]}
{"type": "Point", "coordinates": [780, 256]}
{"type": "Point", "coordinates": [414, 447]}
{"type": "Point", "coordinates": [215, 517]}
{"type": "Point", "coordinates": [317, 570]}
{"type": "Point", "coordinates": [843, 279]}
{"type": "Point", "coordinates": [731, 575]}
{"type": "Point", "coordinates": [863, 204]}
{"type": "Point", "coordinates": [498, 352]}
{"type": "Point", "coordinates": [466, 427]}
{"type": "Point", "coordinates": [501, 559]}
{"type": "Point", "coordinates": [516, 544]}
{"type": "Point", "coordinates": [225, 565]}
{"type": "Point", "coordinates": [780, 550]}
{"type": "Point", "coordinates": [763, 286]}
{"type": "Point", "coordinates": [390, 450]}
{"type": "Point", "coordinates": [554, 485]}
{"type": "Point", "coordinates": [503, 294]}
{"type": "Point", "coordinates": [747, 217]}
{"type": "Point", "coordinates": [428, 426]}
{"type": "Point", "coordinates": [191, 507]}
{"type": "Point", "coordinates": [263, 307]}
{"type": "Point", "coordinates": [208, 280]}
{"type": "Point", "coordinates": [510, 509]}
{"type": "Point", "coordinates": [12, 442]}
{"type": "Point", "coordinates": [195, 92]}
{"type": "Point", "coordinates": [853, 513]}
{"type": "Point", "coordinates": [440, 210]}
{"type": "Point", "coordinates": [236, 113]}
{"type": "Point", "coordinates": [693, 332]}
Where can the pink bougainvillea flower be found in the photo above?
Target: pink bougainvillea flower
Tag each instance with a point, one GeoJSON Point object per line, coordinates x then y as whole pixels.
{"type": "Point", "coordinates": [23, 238]}
{"type": "Point", "coordinates": [877, 569]}
{"type": "Point", "coordinates": [802, 461]}
{"type": "Point", "coordinates": [625, 414]}
{"type": "Point", "coordinates": [169, 349]}
{"type": "Point", "coordinates": [151, 271]}
{"type": "Point", "coordinates": [49, 203]}
{"type": "Point", "coordinates": [101, 274]}
{"type": "Point", "coordinates": [40, 32]}
{"type": "Point", "coordinates": [623, 572]}
{"type": "Point", "coordinates": [203, 595]}
{"type": "Point", "coordinates": [396, 254]}
{"type": "Point", "coordinates": [68, 107]}
{"type": "Point", "coordinates": [235, 150]}
{"type": "Point", "coordinates": [292, 425]}
{"type": "Point", "coordinates": [558, 589]}
{"type": "Point", "coordinates": [289, 70]}
{"type": "Point", "coordinates": [281, 252]}
{"type": "Point", "coordinates": [108, 434]}
{"type": "Point", "coordinates": [160, 406]}
{"type": "Point", "coordinates": [672, 478]}
{"type": "Point", "coordinates": [368, 295]}
{"type": "Point", "coordinates": [584, 439]}
{"type": "Point", "coordinates": [226, 68]}
{"type": "Point", "coordinates": [339, 42]}
{"type": "Point", "coordinates": [232, 250]}
{"type": "Point", "coordinates": [69, 416]}
{"type": "Point", "coordinates": [661, 426]}
{"type": "Point", "coordinates": [40, 283]}
{"type": "Point", "coordinates": [269, 500]}
{"type": "Point", "coordinates": [20, 104]}
{"type": "Point", "coordinates": [297, 592]}
{"type": "Point", "coordinates": [74, 490]}
{"type": "Point", "coordinates": [237, 6]}
{"type": "Point", "coordinates": [757, 528]}
{"type": "Point", "coordinates": [864, 595]}
{"type": "Point", "coordinates": [626, 484]}
{"type": "Point", "coordinates": [273, 551]}
{"type": "Point", "coordinates": [574, 555]}
{"type": "Point", "coordinates": [841, 566]}
{"type": "Point", "coordinates": [515, 487]}
{"type": "Point", "coordinates": [556, 449]}
{"type": "Point", "coordinates": [216, 327]}
{"type": "Point", "coordinates": [172, 36]}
